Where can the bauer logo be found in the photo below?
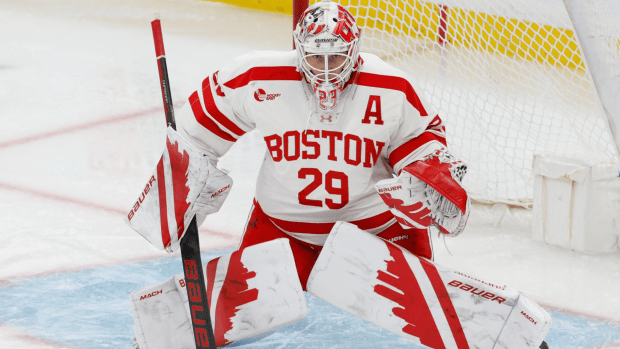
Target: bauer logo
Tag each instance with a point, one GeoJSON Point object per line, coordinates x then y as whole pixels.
{"type": "Point", "coordinates": [260, 95]}
{"type": "Point", "coordinates": [476, 291]}
{"type": "Point", "coordinates": [383, 190]}
{"type": "Point", "coordinates": [145, 192]}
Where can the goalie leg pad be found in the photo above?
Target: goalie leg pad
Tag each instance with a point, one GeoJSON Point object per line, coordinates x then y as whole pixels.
{"type": "Point", "coordinates": [260, 228]}
{"type": "Point", "coordinates": [160, 320]}
{"type": "Point", "coordinates": [528, 322]}
{"type": "Point", "coordinates": [420, 300]}
{"type": "Point", "coordinates": [251, 292]}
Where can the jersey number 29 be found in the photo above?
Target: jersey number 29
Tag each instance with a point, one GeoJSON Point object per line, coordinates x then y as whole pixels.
{"type": "Point", "coordinates": [331, 178]}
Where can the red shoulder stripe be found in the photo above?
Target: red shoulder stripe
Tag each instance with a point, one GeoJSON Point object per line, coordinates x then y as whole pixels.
{"type": "Point", "coordinates": [393, 83]}
{"type": "Point", "coordinates": [412, 145]}
{"type": "Point", "coordinates": [264, 73]}
{"type": "Point", "coordinates": [213, 110]}
{"type": "Point", "coordinates": [205, 120]}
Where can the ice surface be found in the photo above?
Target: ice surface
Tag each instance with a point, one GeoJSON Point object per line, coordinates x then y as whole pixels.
{"type": "Point", "coordinates": [98, 297]}
{"type": "Point", "coordinates": [82, 128]}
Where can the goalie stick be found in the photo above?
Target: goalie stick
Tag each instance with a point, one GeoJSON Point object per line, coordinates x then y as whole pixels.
{"type": "Point", "coordinates": [190, 244]}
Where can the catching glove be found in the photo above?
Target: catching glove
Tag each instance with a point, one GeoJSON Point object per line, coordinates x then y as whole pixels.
{"type": "Point", "coordinates": [429, 192]}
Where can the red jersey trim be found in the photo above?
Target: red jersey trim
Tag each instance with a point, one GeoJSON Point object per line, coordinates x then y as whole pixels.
{"type": "Point", "coordinates": [205, 120]}
{"type": "Point", "coordinates": [393, 83]}
{"type": "Point", "coordinates": [264, 73]}
{"type": "Point", "coordinates": [213, 110]}
{"type": "Point", "coordinates": [412, 145]}
{"type": "Point", "coordinates": [324, 228]}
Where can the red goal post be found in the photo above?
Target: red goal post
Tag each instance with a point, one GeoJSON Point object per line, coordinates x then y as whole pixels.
{"type": "Point", "coordinates": [299, 6]}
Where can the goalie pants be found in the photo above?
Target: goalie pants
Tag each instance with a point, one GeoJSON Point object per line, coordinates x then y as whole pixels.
{"type": "Point", "coordinates": [260, 228]}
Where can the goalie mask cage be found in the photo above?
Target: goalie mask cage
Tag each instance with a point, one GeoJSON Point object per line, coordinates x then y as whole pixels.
{"type": "Point", "coordinates": [508, 78]}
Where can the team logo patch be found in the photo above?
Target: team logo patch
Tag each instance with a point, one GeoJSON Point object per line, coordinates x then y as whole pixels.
{"type": "Point", "coordinates": [260, 95]}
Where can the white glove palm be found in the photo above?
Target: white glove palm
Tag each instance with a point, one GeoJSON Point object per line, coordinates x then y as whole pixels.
{"type": "Point", "coordinates": [212, 195]}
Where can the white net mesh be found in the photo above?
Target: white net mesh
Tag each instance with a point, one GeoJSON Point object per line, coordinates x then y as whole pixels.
{"type": "Point", "coordinates": [506, 76]}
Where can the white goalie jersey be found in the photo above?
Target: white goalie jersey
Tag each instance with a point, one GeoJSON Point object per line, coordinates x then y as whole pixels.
{"type": "Point", "coordinates": [315, 171]}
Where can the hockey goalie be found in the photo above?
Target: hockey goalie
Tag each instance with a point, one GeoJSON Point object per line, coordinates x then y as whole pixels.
{"type": "Point", "coordinates": [357, 170]}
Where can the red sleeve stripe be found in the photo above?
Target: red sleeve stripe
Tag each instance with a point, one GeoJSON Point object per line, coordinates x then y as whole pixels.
{"type": "Point", "coordinates": [409, 147]}
{"type": "Point", "coordinates": [264, 73]}
{"type": "Point", "coordinates": [446, 304]}
{"type": "Point", "coordinates": [393, 83]}
{"type": "Point", "coordinates": [213, 110]}
{"type": "Point", "coordinates": [206, 121]}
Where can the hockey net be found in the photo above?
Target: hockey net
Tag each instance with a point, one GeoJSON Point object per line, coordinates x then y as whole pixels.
{"type": "Point", "coordinates": [506, 76]}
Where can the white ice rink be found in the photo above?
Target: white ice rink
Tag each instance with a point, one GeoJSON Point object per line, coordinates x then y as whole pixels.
{"type": "Point", "coordinates": [82, 126]}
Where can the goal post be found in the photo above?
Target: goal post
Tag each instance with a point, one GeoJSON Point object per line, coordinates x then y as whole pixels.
{"type": "Point", "coordinates": [597, 25]}
{"type": "Point", "coordinates": [508, 78]}
{"type": "Point", "coordinates": [530, 93]}
{"type": "Point", "coordinates": [299, 6]}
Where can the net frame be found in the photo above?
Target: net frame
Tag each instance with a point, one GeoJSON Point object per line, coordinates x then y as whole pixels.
{"type": "Point", "coordinates": [508, 78]}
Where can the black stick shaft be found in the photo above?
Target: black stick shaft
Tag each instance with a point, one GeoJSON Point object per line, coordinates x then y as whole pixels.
{"type": "Point", "coordinates": [190, 244]}
{"type": "Point", "coordinates": [196, 290]}
{"type": "Point", "coordinates": [165, 92]}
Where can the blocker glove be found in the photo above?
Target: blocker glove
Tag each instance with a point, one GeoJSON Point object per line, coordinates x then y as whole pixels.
{"type": "Point", "coordinates": [429, 192]}
{"type": "Point", "coordinates": [184, 184]}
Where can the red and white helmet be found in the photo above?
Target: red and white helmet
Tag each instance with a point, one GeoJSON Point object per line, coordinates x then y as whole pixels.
{"type": "Point", "coordinates": [327, 44]}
